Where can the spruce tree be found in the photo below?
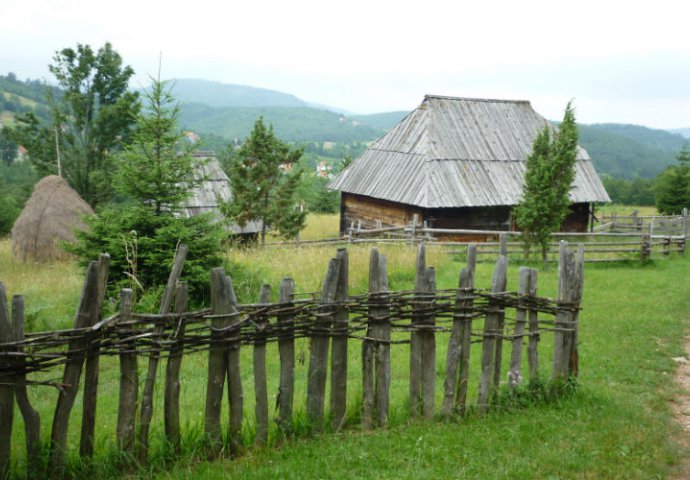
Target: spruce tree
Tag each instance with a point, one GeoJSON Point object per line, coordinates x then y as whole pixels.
{"type": "Point", "coordinates": [264, 176]}
{"type": "Point", "coordinates": [550, 171]}
{"type": "Point", "coordinates": [673, 185]}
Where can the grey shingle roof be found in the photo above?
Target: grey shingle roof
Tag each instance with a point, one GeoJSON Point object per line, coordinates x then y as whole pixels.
{"type": "Point", "coordinates": [458, 152]}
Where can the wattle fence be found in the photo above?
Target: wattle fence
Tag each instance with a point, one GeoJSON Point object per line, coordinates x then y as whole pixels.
{"type": "Point", "coordinates": [492, 319]}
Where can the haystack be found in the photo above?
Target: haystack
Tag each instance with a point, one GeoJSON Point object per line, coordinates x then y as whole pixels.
{"type": "Point", "coordinates": [49, 218]}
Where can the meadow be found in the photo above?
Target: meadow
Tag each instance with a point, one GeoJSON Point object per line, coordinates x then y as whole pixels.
{"type": "Point", "coordinates": [616, 424]}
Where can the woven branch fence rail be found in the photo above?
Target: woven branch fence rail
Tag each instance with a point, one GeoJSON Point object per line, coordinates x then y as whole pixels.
{"type": "Point", "coordinates": [379, 320]}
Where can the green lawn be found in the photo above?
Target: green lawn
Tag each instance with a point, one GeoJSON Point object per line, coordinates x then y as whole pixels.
{"type": "Point", "coordinates": [616, 425]}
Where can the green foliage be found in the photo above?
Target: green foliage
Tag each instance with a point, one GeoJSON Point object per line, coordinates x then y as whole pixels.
{"type": "Point", "coordinates": [548, 180]}
{"type": "Point", "coordinates": [639, 191]}
{"type": "Point", "coordinates": [142, 235]}
{"type": "Point", "coordinates": [157, 169]}
{"type": "Point", "coordinates": [673, 185]}
{"type": "Point", "coordinates": [16, 183]}
{"type": "Point", "coordinates": [317, 197]}
{"type": "Point", "coordinates": [92, 117]}
{"type": "Point", "coordinates": [262, 190]}
{"type": "Point", "coordinates": [142, 244]}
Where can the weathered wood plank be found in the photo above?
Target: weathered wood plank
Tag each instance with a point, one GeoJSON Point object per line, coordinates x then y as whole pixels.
{"type": "Point", "coordinates": [339, 345]}
{"type": "Point", "coordinates": [415, 386]}
{"type": "Point", "coordinates": [574, 365]}
{"type": "Point", "coordinates": [146, 411]}
{"type": "Point", "coordinates": [368, 346]}
{"type": "Point", "coordinates": [498, 285]}
{"type": "Point", "coordinates": [466, 331]}
{"type": "Point", "coordinates": [567, 284]}
{"type": "Point", "coordinates": [260, 383]}
{"type": "Point", "coordinates": [6, 392]}
{"type": "Point", "coordinates": [286, 351]}
{"type": "Point", "coordinates": [232, 360]}
{"type": "Point", "coordinates": [90, 395]}
{"type": "Point", "coordinates": [171, 396]}
{"type": "Point", "coordinates": [459, 341]}
{"type": "Point", "coordinates": [221, 304]}
{"type": "Point", "coordinates": [72, 374]}
{"type": "Point", "coordinates": [533, 321]}
{"type": "Point", "coordinates": [515, 370]}
{"type": "Point", "coordinates": [428, 347]}
{"type": "Point", "coordinates": [129, 381]}
{"type": "Point", "coordinates": [32, 419]}
{"type": "Point", "coordinates": [318, 348]}
{"type": "Point", "coordinates": [382, 357]}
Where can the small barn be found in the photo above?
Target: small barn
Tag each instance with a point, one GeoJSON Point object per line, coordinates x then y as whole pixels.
{"type": "Point", "coordinates": [214, 185]}
{"type": "Point", "coordinates": [49, 218]}
{"type": "Point", "coordinates": [455, 163]}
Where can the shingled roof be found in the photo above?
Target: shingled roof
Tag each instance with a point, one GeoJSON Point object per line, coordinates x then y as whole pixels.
{"type": "Point", "coordinates": [459, 152]}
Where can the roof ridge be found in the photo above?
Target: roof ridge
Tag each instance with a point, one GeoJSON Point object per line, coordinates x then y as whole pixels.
{"type": "Point", "coordinates": [471, 99]}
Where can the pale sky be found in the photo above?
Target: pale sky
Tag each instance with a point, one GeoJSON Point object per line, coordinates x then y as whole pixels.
{"type": "Point", "coordinates": [619, 61]}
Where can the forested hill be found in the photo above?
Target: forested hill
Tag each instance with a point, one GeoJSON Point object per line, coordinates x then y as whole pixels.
{"type": "Point", "coordinates": [229, 111]}
{"type": "Point", "coordinates": [628, 151]}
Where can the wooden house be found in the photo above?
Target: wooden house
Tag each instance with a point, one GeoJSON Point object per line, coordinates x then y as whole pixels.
{"type": "Point", "coordinates": [455, 163]}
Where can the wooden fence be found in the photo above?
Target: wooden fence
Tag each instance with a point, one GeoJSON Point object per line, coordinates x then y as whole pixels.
{"type": "Point", "coordinates": [617, 238]}
{"type": "Point", "coordinates": [380, 319]}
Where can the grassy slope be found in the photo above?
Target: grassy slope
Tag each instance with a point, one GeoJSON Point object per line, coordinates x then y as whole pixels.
{"type": "Point", "coordinates": [616, 426]}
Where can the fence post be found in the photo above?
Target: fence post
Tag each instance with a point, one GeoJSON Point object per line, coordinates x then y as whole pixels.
{"type": "Point", "coordinates": [318, 348]}
{"type": "Point", "coordinates": [6, 390]}
{"type": "Point", "coordinates": [368, 380]}
{"type": "Point", "coordinates": [339, 345]}
{"type": "Point", "coordinates": [466, 329]}
{"type": "Point", "coordinates": [579, 281]}
{"type": "Point", "coordinates": [32, 419]}
{"type": "Point", "coordinates": [415, 386]}
{"type": "Point", "coordinates": [286, 350]}
{"type": "Point", "coordinates": [533, 320]}
{"type": "Point", "coordinates": [129, 378]}
{"type": "Point", "coordinates": [222, 308]}
{"type": "Point", "coordinates": [260, 385]}
{"type": "Point", "coordinates": [72, 374]}
{"type": "Point", "coordinates": [568, 286]}
{"type": "Point", "coordinates": [491, 322]}
{"type": "Point", "coordinates": [171, 403]}
{"type": "Point", "coordinates": [428, 346]}
{"type": "Point", "coordinates": [514, 373]}
{"type": "Point", "coordinates": [646, 248]}
{"type": "Point", "coordinates": [146, 411]}
{"type": "Point", "coordinates": [90, 394]}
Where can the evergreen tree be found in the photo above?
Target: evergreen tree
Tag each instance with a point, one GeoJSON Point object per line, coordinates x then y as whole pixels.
{"type": "Point", "coordinates": [673, 185]}
{"type": "Point", "coordinates": [155, 175]}
{"type": "Point", "coordinates": [550, 171]}
{"type": "Point", "coordinates": [265, 175]}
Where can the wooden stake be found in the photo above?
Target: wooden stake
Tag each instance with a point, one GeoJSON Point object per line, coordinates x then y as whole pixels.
{"type": "Point", "coordinates": [318, 348]}
{"type": "Point", "coordinates": [339, 346]}
{"type": "Point", "coordinates": [129, 380]}
{"type": "Point", "coordinates": [286, 349]}
{"type": "Point", "coordinates": [6, 391]}
{"type": "Point", "coordinates": [171, 403]}
{"type": "Point", "coordinates": [415, 387]}
{"type": "Point", "coordinates": [533, 319]}
{"type": "Point", "coordinates": [428, 348]}
{"type": "Point", "coordinates": [260, 385]}
{"type": "Point", "coordinates": [515, 371]}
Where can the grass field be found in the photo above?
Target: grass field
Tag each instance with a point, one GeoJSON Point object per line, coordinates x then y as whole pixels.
{"type": "Point", "coordinates": [616, 425]}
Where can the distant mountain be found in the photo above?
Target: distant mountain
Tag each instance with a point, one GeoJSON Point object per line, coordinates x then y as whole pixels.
{"type": "Point", "coordinates": [216, 94]}
{"type": "Point", "coordinates": [384, 121]}
{"type": "Point", "coordinates": [628, 151]}
{"type": "Point", "coordinates": [681, 131]}
{"type": "Point", "coordinates": [293, 124]}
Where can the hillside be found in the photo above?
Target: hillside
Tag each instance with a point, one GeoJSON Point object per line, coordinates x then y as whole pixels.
{"type": "Point", "coordinates": [218, 94]}
{"type": "Point", "coordinates": [681, 131]}
{"type": "Point", "coordinates": [293, 124]}
{"type": "Point", "coordinates": [628, 151]}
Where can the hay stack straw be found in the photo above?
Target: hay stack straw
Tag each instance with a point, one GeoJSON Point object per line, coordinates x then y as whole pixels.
{"type": "Point", "coordinates": [50, 217]}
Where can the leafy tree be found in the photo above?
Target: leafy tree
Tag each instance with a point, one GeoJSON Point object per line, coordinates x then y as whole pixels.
{"type": "Point", "coordinates": [548, 179]}
{"type": "Point", "coordinates": [673, 185]}
{"type": "Point", "coordinates": [156, 173]}
{"type": "Point", "coordinates": [265, 176]}
{"type": "Point", "coordinates": [88, 121]}
{"type": "Point", "coordinates": [8, 148]}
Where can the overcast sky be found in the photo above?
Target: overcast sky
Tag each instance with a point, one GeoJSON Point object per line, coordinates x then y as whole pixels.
{"type": "Point", "coordinates": [620, 61]}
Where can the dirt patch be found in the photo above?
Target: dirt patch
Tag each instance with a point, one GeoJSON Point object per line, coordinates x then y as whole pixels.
{"type": "Point", "coordinates": [681, 409]}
